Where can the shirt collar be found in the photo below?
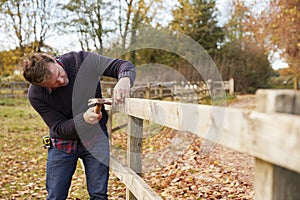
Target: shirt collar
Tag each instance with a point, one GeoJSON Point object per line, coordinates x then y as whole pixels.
{"type": "Point", "coordinates": [49, 90]}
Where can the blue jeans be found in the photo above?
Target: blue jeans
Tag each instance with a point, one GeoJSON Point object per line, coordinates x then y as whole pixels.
{"type": "Point", "coordinates": [61, 167]}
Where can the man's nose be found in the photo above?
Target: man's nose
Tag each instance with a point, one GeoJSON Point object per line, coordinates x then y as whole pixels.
{"type": "Point", "coordinates": [60, 80]}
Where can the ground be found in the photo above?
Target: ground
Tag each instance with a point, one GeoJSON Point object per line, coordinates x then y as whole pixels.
{"type": "Point", "coordinates": [175, 165]}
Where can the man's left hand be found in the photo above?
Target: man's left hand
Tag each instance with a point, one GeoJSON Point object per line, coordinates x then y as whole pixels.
{"type": "Point", "coordinates": [121, 90]}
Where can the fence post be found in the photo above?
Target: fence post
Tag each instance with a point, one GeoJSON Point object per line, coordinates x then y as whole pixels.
{"type": "Point", "coordinates": [295, 80]}
{"type": "Point", "coordinates": [231, 86]}
{"type": "Point", "coordinates": [12, 88]}
{"type": "Point", "coordinates": [274, 182]}
{"type": "Point", "coordinates": [210, 85]}
{"type": "Point", "coordinates": [134, 148]}
{"type": "Point", "coordinates": [109, 123]}
{"type": "Point", "coordinates": [161, 91]}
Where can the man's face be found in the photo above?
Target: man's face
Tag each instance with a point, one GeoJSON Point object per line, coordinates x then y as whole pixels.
{"type": "Point", "coordinates": [58, 77]}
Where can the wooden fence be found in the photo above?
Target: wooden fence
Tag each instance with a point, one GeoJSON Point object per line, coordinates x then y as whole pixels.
{"type": "Point", "coordinates": [13, 89]}
{"type": "Point", "coordinates": [271, 134]}
{"type": "Point", "coordinates": [183, 92]}
{"type": "Point", "coordinates": [186, 92]}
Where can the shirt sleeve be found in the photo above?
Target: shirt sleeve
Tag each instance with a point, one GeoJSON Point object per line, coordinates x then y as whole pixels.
{"type": "Point", "coordinates": [96, 64]}
{"type": "Point", "coordinates": [121, 68]}
{"type": "Point", "coordinates": [60, 125]}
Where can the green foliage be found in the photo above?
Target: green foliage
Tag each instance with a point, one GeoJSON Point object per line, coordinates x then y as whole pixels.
{"type": "Point", "coordinates": [247, 65]}
{"type": "Point", "coordinates": [196, 19]}
{"type": "Point", "coordinates": [282, 82]}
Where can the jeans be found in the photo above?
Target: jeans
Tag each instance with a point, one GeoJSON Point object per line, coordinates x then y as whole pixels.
{"type": "Point", "coordinates": [61, 167]}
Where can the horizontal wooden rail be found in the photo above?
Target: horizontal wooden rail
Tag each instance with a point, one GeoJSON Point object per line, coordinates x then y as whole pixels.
{"type": "Point", "coordinates": [271, 137]}
{"type": "Point", "coordinates": [271, 134]}
{"type": "Point", "coordinates": [133, 182]}
{"type": "Point", "coordinates": [12, 89]}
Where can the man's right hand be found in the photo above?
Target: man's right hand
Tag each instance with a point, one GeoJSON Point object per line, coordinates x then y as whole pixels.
{"type": "Point", "coordinates": [91, 117]}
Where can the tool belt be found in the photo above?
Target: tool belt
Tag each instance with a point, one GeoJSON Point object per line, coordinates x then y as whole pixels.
{"type": "Point", "coordinates": [46, 142]}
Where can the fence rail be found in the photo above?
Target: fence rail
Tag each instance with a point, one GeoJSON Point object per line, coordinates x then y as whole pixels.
{"type": "Point", "coordinates": [272, 138]}
{"type": "Point", "coordinates": [13, 89]}
{"type": "Point", "coordinates": [187, 92]}
{"type": "Point", "coordinates": [183, 92]}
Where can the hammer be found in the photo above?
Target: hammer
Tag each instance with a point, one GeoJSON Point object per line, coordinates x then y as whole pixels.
{"type": "Point", "coordinates": [99, 102]}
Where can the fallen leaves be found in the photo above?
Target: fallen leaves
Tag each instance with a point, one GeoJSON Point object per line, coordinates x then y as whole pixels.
{"type": "Point", "coordinates": [23, 158]}
{"type": "Point", "coordinates": [214, 176]}
{"type": "Point", "coordinates": [221, 174]}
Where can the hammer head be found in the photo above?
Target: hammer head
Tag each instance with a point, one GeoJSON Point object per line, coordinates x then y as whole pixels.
{"type": "Point", "coordinates": [99, 101]}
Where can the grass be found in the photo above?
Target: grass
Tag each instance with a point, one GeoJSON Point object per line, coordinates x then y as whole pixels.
{"type": "Point", "coordinates": [23, 158]}
{"type": "Point", "coordinates": [21, 151]}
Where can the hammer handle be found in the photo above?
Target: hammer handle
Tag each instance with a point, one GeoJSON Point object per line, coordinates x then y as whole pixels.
{"type": "Point", "coordinates": [98, 108]}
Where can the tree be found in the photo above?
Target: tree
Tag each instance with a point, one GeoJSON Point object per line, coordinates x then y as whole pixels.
{"type": "Point", "coordinates": [240, 56]}
{"type": "Point", "coordinates": [91, 20]}
{"type": "Point", "coordinates": [27, 22]}
{"type": "Point", "coordinates": [246, 63]}
{"type": "Point", "coordinates": [135, 14]}
{"type": "Point", "coordinates": [9, 59]}
{"type": "Point", "coordinates": [197, 19]}
{"type": "Point", "coordinates": [278, 27]}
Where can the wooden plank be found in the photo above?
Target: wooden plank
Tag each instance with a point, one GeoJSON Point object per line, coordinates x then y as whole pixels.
{"type": "Point", "coordinates": [134, 144]}
{"type": "Point", "coordinates": [273, 182]}
{"type": "Point", "coordinates": [133, 182]}
{"type": "Point", "coordinates": [258, 134]}
{"type": "Point", "coordinates": [134, 149]}
{"type": "Point", "coordinates": [286, 184]}
{"type": "Point", "coordinates": [263, 180]}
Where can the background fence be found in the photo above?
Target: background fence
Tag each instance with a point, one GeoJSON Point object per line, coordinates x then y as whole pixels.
{"type": "Point", "coordinates": [187, 92]}
{"type": "Point", "coordinates": [183, 91]}
{"type": "Point", "coordinates": [13, 89]}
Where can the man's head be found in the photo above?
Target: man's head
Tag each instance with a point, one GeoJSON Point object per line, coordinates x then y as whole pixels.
{"type": "Point", "coordinates": [43, 70]}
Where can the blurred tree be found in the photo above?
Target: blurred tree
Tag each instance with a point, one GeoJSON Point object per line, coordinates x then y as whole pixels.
{"type": "Point", "coordinates": [27, 22]}
{"type": "Point", "coordinates": [240, 56]}
{"type": "Point", "coordinates": [198, 19]}
{"type": "Point", "coordinates": [9, 59]}
{"type": "Point", "coordinates": [142, 17]}
{"type": "Point", "coordinates": [246, 63]}
{"type": "Point", "coordinates": [87, 18]}
{"type": "Point", "coordinates": [135, 14]}
{"type": "Point", "coordinates": [278, 28]}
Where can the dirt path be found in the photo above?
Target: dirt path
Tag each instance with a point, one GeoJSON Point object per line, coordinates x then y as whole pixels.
{"type": "Point", "coordinates": [244, 101]}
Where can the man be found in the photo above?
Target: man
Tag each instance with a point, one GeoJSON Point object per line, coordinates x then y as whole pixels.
{"type": "Point", "coordinates": [59, 92]}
